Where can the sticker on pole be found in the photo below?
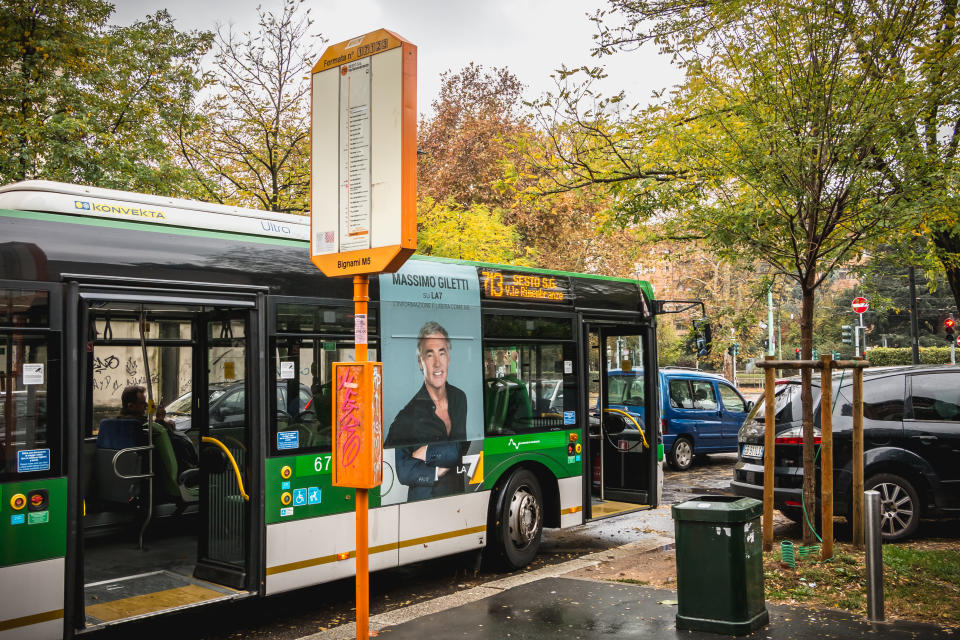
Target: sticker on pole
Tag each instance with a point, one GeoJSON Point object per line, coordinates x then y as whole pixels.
{"type": "Point", "coordinates": [358, 424]}
{"type": "Point", "coordinates": [860, 304]}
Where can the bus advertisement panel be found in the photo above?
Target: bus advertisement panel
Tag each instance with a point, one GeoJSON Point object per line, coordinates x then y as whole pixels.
{"type": "Point", "coordinates": [432, 365]}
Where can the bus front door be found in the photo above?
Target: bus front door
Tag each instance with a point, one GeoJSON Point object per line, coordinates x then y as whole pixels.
{"type": "Point", "coordinates": [621, 444]}
{"type": "Point", "coordinates": [166, 517]}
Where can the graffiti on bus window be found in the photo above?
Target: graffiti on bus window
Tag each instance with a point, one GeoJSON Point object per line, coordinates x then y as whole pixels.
{"type": "Point", "coordinates": [103, 364]}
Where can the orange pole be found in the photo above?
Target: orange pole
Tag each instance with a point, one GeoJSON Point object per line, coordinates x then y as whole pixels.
{"type": "Point", "coordinates": [361, 295]}
{"type": "Point", "coordinates": [363, 568]}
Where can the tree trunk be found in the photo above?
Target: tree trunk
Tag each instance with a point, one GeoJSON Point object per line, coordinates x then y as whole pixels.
{"type": "Point", "coordinates": [806, 402]}
{"type": "Point", "coordinates": [953, 277]}
{"type": "Point", "coordinates": [949, 245]}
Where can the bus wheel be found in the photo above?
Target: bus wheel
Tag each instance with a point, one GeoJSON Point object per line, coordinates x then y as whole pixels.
{"type": "Point", "coordinates": [519, 520]}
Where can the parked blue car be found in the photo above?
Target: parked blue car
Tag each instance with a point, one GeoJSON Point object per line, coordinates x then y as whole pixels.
{"type": "Point", "coordinates": [700, 412]}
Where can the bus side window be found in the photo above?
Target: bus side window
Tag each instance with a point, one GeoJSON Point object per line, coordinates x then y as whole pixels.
{"type": "Point", "coordinates": [524, 388]}
{"type": "Point", "coordinates": [304, 400]}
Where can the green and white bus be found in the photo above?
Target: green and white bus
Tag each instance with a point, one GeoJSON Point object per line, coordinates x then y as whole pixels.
{"type": "Point", "coordinates": [219, 315]}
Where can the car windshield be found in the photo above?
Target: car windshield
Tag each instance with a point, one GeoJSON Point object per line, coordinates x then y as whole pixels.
{"type": "Point", "coordinates": [548, 389]}
{"type": "Point", "coordinates": [786, 402]}
{"type": "Point", "coordinates": [182, 404]}
{"type": "Point", "coordinates": [625, 388]}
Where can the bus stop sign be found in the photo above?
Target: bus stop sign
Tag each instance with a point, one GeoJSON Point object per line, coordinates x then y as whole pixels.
{"type": "Point", "coordinates": [860, 304]}
{"type": "Point", "coordinates": [363, 155]}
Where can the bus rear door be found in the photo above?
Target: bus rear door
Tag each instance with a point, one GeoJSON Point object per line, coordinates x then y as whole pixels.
{"type": "Point", "coordinates": [622, 468]}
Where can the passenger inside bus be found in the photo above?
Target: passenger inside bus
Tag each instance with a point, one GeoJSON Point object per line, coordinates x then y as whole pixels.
{"type": "Point", "coordinates": [175, 453]}
{"type": "Point", "coordinates": [134, 401]}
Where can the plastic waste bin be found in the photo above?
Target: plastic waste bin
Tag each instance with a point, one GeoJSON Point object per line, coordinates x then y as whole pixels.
{"type": "Point", "coordinates": [719, 565]}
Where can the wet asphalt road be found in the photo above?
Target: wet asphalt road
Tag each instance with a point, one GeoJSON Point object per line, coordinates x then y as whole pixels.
{"type": "Point", "coordinates": [307, 611]}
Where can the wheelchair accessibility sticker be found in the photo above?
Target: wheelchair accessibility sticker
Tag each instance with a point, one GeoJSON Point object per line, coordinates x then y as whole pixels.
{"type": "Point", "coordinates": [299, 497]}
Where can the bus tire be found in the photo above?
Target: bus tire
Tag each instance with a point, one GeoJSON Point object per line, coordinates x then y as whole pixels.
{"type": "Point", "coordinates": [517, 521]}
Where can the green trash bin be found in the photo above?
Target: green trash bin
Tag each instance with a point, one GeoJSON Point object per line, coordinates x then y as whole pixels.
{"type": "Point", "coordinates": [719, 565]}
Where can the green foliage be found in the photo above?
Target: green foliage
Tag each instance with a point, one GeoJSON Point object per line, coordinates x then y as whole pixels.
{"type": "Point", "coordinates": [942, 564]}
{"type": "Point", "coordinates": [82, 101]}
{"type": "Point", "coordinates": [919, 579]}
{"type": "Point", "coordinates": [772, 149]}
{"type": "Point", "coordinates": [671, 349]}
{"type": "Point", "coordinates": [253, 149]}
{"type": "Point", "coordinates": [883, 357]}
{"type": "Point", "coordinates": [475, 233]}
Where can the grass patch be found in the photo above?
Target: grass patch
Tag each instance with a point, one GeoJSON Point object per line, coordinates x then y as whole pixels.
{"type": "Point", "coordinates": [921, 581]}
{"type": "Point", "coordinates": [631, 581]}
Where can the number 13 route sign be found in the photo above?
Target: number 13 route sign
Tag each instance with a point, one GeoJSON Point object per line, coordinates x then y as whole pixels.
{"type": "Point", "coordinates": [363, 154]}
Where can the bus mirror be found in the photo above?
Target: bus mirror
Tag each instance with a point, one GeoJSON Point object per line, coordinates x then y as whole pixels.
{"type": "Point", "coordinates": [702, 337]}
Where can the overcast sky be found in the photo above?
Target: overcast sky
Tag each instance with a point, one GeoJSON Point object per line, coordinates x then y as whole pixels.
{"type": "Point", "coordinates": [529, 37]}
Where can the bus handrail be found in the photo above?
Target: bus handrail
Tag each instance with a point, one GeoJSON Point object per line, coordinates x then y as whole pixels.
{"type": "Point", "coordinates": [236, 469]}
{"type": "Point", "coordinates": [634, 421]}
{"type": "Point", "coordinates": [136, 476]}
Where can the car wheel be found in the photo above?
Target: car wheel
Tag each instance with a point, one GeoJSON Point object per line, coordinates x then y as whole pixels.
{"type": "Point", "coordinates": [681, 455]}
{"type": "Point", "coordinates": [518, 521]}
{"type": "Point", "coordinates": [899, 506]}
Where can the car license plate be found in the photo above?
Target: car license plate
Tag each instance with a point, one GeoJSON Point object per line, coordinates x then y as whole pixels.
{"type": "Point", "coordinates": [752, 451]}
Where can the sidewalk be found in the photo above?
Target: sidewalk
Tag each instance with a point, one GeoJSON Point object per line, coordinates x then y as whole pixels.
{"type": "Point", "coordinates": [546, 602]}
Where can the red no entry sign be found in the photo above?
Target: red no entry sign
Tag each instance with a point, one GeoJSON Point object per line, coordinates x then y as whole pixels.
{"type": "Point", "coordinates": [859, 304]}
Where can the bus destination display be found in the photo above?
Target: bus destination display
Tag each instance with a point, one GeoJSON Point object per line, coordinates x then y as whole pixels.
{"type": "Point", "coordinates": [511, 285]}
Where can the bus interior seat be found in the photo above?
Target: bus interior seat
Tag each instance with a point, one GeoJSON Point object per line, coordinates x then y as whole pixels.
{"type": "Point", "coordinates": [115, 435]}
{"type": "Point", "coordinates": [507, 405]}
{"type": "Point", "coordinates": [120, 433]}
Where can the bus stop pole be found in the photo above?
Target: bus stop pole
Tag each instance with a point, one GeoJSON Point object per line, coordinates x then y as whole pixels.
{"type": "Point", "coordinates": [826, 455]}
{"type": "Point", "coordinates": [768, 442]}
{"type": "Point", "coordinates": [361, 295]}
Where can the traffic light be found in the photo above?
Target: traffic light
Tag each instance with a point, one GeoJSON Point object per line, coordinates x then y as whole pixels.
{"type": "Point", "coordinates": [846, 334]}
{"type": "Point", "coordinates": [948, 327]}
{"type": "Point", "coordinates": [798, 353]}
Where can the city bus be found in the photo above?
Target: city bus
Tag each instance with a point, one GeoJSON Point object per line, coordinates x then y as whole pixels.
{"type": "Point", "coordinates": [495, 413]}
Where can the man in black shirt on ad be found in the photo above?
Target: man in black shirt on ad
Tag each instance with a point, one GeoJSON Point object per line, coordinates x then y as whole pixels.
{"type": "Point", "coordinates": [430, 431]}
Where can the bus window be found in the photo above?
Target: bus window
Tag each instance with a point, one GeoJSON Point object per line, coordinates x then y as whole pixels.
{"type": "Point", "coordinates": [116, 362]}
{"type": "Point", "coordinates": [164, 373]}
{"type": "Point", "coordinates": [303, 365]}
{"type": "Point", "coordinates": [29, 439]}
{"type": "Point", "coordinates": [528, 386]}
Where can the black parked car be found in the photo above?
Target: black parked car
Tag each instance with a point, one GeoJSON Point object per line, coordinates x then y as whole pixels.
{"type": "Point", "coordinates": [911, 419]}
